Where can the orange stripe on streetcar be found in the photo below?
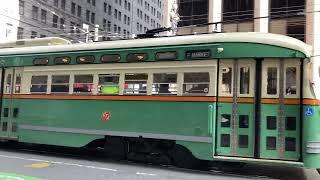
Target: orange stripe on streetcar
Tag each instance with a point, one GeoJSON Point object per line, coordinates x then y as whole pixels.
{"type": "Point", "coordinates": [123, 98]}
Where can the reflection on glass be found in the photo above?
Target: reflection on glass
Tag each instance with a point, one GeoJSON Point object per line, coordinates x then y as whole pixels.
{"type": "Point", "coordinates": [164, 83]}
{"type": "Point", "coordinates": [109, 84]}
{"type": "Point", "coordinates": [83, 83]}
{"type": "Point", "coordinates": [272, 81]}
{"type": "Point", "coordinates": [38, 84]}
{"type": "Point", "coordinates": [18, 83]}
{"type": "Point", "coordinates": [226, 80]}
{"type": "Point", "coordinates": [291, 80]}
{"type": "Point", "coordinates": [8, 84]}
{"type": "Point", "coordinates": [196, 83]}
{"type": "Point", "coordinates": [60, 83]}
{"type": "Point", "coordinates": [244, 80]}
{"type": "Point", "coordinates": [135, 83]}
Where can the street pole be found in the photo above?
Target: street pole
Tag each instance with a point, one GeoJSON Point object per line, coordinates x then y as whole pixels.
{"type": "Point", "coordinates": [96, 33]}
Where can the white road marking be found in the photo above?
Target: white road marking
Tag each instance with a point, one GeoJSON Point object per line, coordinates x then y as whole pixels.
{"type": "Point", "coordinates": [146, 174]}
{"type": "Point", "coordinates": [61, 163]}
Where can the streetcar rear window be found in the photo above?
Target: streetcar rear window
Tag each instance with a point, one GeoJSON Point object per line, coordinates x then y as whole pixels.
{"type": "Point", "coordinates": [164, 84]}
{"type": "Point", "coordinates": [41, 61]}
{"type": "Point", "coordinates": [83, 84]}
{"type": "Point", "coordinates": [196, 83]}
{"type": "Point", "coordinates": [110, 58]}
{"type": "Point", "coordinates": [62, 60]}
{"type": "Point", "coordinates": [135, 83]}
{"type": "Point", "coordinates": [291, 80]}
{"type": "Point", "coordinates": [85, 59]}
{"type": "Point", "coordinates": [109, 84]}
{"type": "Point", "coordinates": [137, 57]}
{"type": "Point", "coordinates": [39, 84]}
{"type": "Point", "coordinates": [60, 84]}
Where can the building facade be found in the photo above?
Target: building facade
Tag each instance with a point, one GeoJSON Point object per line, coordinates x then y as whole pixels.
{"type": "Point", "coordinates": [286, 17]}
{"type": "Point", "coordinates": [21, 19]}
{"type": "Point", "coordinates": [297, 18]}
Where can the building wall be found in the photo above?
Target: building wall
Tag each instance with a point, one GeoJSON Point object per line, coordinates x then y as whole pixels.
{"type": "Point", "coordinates": [29, 22]}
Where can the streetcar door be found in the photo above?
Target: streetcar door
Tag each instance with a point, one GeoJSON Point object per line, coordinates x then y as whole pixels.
{"type": "Point", "coordinates": [236, 107]}
{"type": "Point", "coordinates": [280, 136]}
{"type": "Point", "coordinates": [10, 110]}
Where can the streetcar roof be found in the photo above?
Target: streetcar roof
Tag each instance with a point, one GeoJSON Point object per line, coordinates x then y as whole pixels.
{"type": "Point", "coordinates": [246, 37]}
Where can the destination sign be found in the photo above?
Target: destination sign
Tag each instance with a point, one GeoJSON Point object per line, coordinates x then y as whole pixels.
{"type": "Point", "coordinates": [198, 54]}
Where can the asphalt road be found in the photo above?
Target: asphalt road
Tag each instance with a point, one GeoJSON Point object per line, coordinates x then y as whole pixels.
{"type": "Point", "coordinates": [15, 163]}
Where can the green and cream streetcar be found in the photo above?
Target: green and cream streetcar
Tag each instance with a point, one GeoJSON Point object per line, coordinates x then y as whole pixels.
{"type": "Point", "coordinates": [243, 97]}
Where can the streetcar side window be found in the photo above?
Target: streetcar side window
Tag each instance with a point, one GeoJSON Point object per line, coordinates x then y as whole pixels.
{"type": "Point", "coordinates": [164, 84]}
{"type": "Point", "coordinates": [135, 83]}
{"type": "Point", "coordinates": [196, 83]}
{"type": "Point", "coordinates": [291, 80]}
{"type": "Point", "coordinates": [244, 80]}
{"type": "Point", "coordinates": [17, 87]}
{"type": "Point", "coordinates": [109, 84]}
{"type": "Point", "coordinates": [60, 84]}
{"type": "Point", "coordinates": [226, 80]}
{"type": "Point", "coordinates": [39, 84]}
{"type": "Point", "coordinates": [272, 80]}
{"type": "Point", "coordinates": [83, 84]}
{"type": "Point", "coordinates": [8, 84]}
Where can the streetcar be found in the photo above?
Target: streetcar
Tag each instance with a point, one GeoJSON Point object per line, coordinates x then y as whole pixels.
{"type": "Point", "coordinates": [236, 97]}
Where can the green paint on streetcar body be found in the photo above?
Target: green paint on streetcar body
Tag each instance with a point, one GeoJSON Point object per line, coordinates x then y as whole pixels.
{"type": "Point", "coordinates": [12, 176]}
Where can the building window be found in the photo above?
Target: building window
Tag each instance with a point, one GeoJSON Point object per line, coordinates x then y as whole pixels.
{"type": "Point", "coordinates": [35, 10]}
{"type": "Point", "coordinates": [21, 7]}
{"type": "Point", "coordinates": [287, 8]}
{"type": "Point", "coordinates": [55, 21]}
{"type": "Point", "coordinates": [119, 16]}
{"type": "Point", "coordinates": [109, 10]}
{"type": "Point", "coordinates": [93, 18]}
{"type": "Point", "coordinates": [87, 15]}
{"type": "Point", "coordinates": [62, 23]}
{"type": "Point", "coordinates": [56, 3]}
{"type": "Point", "coordinates": [192, 12]}
{"type": "Point", "coordinates": [33, 34]}
{"type": "Point", "coordinates": [116, 14]}
{"type": "Point", "coordinates": [109, 26]}
{"type": "Point", "coordinates": [63, 4]}
{"type": "Point", "coordinates": [239, 10]}
{"type": "Point", "coordinates": [105, 7]}
{"type": "Point", "coordinates": [93, 2]}
{"type": "Point", "coordinates": [20, 33]}
{"type": "Point", "coordinates": [73, 8]}
{"type": "Point", "coordinates": [9, 30]}
{"type": "Point", "coordinates": [79, 12]}
{"type": "Point", "coordinates": [43, 16]}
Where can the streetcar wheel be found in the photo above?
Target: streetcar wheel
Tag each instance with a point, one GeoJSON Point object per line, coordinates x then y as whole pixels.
{"type": "Point", "coordinates": [183, 158]}
{"type": "Point", "coordinates": [116, 148]}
